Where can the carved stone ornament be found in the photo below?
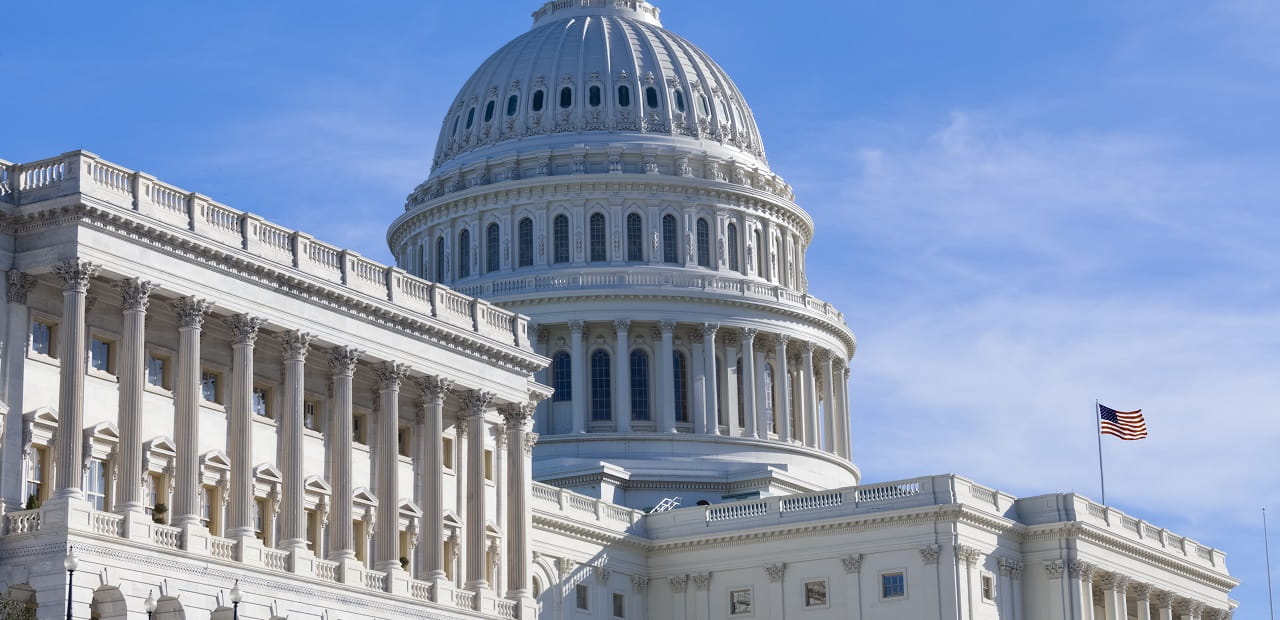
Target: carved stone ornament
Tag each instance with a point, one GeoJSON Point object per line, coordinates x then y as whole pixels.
{"type": "Point", "coordinates": [775, 571]}
{"type": "Point", "coordinates": [930, 553]}
{"type": "Point", "coordinates": [244, 328]}
{"type": "Point", "coordinates": [565, 566]}
{"type": "Point", "coordinates": [342, 360]}
{"type": "Point", "coordinates": [517, 415]}
{"type": "Point", "coordinates": [679, 583]}
{"type": "Point", "coordinates": [967, 554]}
{"type": "Point", "coordinates": [1164, 599]}
{"type": "Point", "coordinates": [19, 285]}
{"type": "Point", "coordinates": [1079, 569]}
{"type": "Point", "coordinates": [390, 375]}
{"type": "Point", "coordinates": [576, 326]}
{"type": "Point", "coordinates": [434, 389]}
{"type": "Point", "coordinates": [622, 325]}
{"type": "Point", "coordinates": [1142, 591]}
{"type": "Point", "coordinates": [191, 311]}
{"type": "Point", "coordinates": [1011, 567]}
{"type": "Point", "coordinates": [1113, 581]}
{"type": "Point", "coordinates": [701, 581]}
{"type": "Point", "coordinates": [852, 563]}
{"type": "Point", "coordinates": [476, 401]}
{"type": "Point", "coordinates": [134, 295]}
{"type": "Point", "coordinates": [294, 344]}
{"type": "Point", "coordinates": [530, 440]}
{"type": "Point", "coordinates": [1054, 568]}
{"type": "Point", "coordinates": [639, 583]}
{"type": "Point", "coordinates": [602, 574]}
{"type": "Point", "coordinates": [709, 330]}
{"type": "Point", "coordinates": [75, 275]}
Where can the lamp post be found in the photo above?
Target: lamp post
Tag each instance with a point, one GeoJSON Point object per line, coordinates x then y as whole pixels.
{"type": "Point", "coordinates": [70, 563]}
{"type": "Point", "coordinates": [236, 595]}
{"type": "Point", "coordinates": [149, 604]}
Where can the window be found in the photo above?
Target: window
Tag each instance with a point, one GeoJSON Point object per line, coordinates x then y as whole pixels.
{"type": "Point", "coordinates": [624, 96]}
{"type": "Point", "coordinates": [593, 96]}
{"type": "Point", "coordinates": [455, 126]}
{"type": "Point", "coordinates": [471, 117]}
{"type": "Point", "coordinates": [651, 97]}
{"type": "Point", "coordinates": [42, 338]}
{"type": "Point", "coordinates": [561, 378]}
{"type": "Point", "coordinates": [679, 97]}
{"type": "Point", "coordinates": [311, 415]}
{"type": "Point", "coordinates": [464, 254]}
{"type": "Point", "coordinates": [488, 465]}
{"type": "Point", "coordinates": [560, 238]}
{"type": "Point", "coordinates": [639, 385]}
{"type": "Point", "coordinates": [893, 585]}
{"type": "Point", "coordinates": [635, 238]}
{"type": "Point", "coordinates": [706, 108]}
{"type": "Point", "coordinates": [740, 602]}
{"type": "Point", "coordinates": [313, 532]}
{"type": "Point", "coordinates": [446, 452]}
{"type": "Point", "coordinates": [95, 484]}
{"type": "Point", "coordinates": [566, 97]}
{"type": "Point", "coordinates": [759, 254]}
{"type": "Point", "coordinates": [404, 440]}
{"type": "Point", "coordinates": [732, 242]}
{"type": "Point", "coordinates": [157, 366]}
{"type": "Point", "coordinates": [512, 103]}
{"type": "Point", "coordinates": [262, 403]}
{"type": "Point", "coordinates": [357, 428]}
{"type": "Point", "coordinates": [210, 388]}
{"type": "Point", "coordinates": [681, 382]}
{"type": "Point", "coordinates": [669, 233]}
{"type": "Point", "coordinates": [35, 477]}
{"type": "Point", "coordinates": [815, 593]}
{"type": "Point", "coordinates": [488, 110]}
{"type": "Point", "coordinates": [704, 243]}
{"type": "Point", "coordinates": [598, 249]}
{"type": "Point", "coordinates": [988, 588]}
{"type": "Point", "coordinates": [619, 605]}
{"type": "Point", "coordinates": [581, 597]}
{"type": "Point", "coordinates": [493, 247]}
{"type": "Point", "coordinates": [208, 499]}
{"type": "Point", "coordinates": [155, 491]}
{"type": "Point", "coordinates": [538, 96]}
{"type": "Point", "coordinates": [439, 259]}
{"type": "Point", "coordinates": [524, 232]}
{"type": "Point", "coordinates": [100, 355]}
{"type": "Point", "coordinates": [601, 398]}
{"type": "Point", "coordinates": [260, 518]}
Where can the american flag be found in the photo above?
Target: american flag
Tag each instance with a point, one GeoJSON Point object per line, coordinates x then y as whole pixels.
{"type": "Point", "coordinates": [1122, 424]}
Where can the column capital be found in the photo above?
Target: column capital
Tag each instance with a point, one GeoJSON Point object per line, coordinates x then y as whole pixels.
{"type": "Point", "coordinates": [390, 375]}
{"type": "Point", "coordinates": [1113, 581]}
{"type": "Point", "coordinates": [639, 584]}
{"type": "Point", "coordinates": [1079, 569]}
{"type": "Point", "coordinates": [732, 339]}
{"type": "Point", "coordinates": [1011, 567]}
{"type": "Point", "coordinates": [930, 553]}
{"type": "Point", "coordinates": [530, 440]}
{"type": "Point", "coordinates": [749, 335]}
{"type": "Point", "coordinates": [781, 339]}
{"type": "Point", "coordinates": [476, 401]}
{"type": "Point", "coordinates": [775, 571]}
{"type": "Point", "coordinates": [709, 330]}
{"type": "Point", "coordinates": [433, 389]}
{"type": "Point", "coordinates": [1142, 591]}
{"type": "Point", "coordinates": [293, 345]}
{"type": "Point", "coordinates": [75, 274]}
{"type": "Point", "coordinates": [244, 328]}
{"type": "Point", "coordinates": [968, 555]}
{"type": "Point", "coordinates": [621, 325]}
{"type": "Point", "coordinates": [517, 415]}
{"type": "Point", "coordinates": [541, 334]}
{"type": "Point", "coordinates": [19, 285]}
{"type": "Point", "coordinates": [846, 372]}
{"type": "Point", "coordinates": [807, 348]}
{"type": "Point", "coordinates": [342, 360]}
{"type": "Point", "coordinates": [1164, 599]}
{"type": "Point", "coordinates": [576, 326]}
{"type": "Point", "coordinates": [191, 311]}
{"type": "Point", "coordinates": [666, 326]}
{"type": "Point", "coordinates": [679, 583]}
{"type": "Point", "coordinates": [852, 563]}
{"type": "Point", "coordinates": [1054, 568]}
{"type": "Point", "coordinates": [701, 581]}
{"type": "Point", "coordinates": [695, 336]}
{"type": "Point", "coordinates": [135, 295]}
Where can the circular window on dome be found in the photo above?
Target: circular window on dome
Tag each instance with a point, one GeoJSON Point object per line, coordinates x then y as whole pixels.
{"type": "Point", "coordinates": [651, 97]}
{"type": "Point", "coordinates": [512, 102]}
{"type": "Point", "coordinates": [593, 96]}
{"type": "Point", "coordinates": [538, 98]}
{"type": "Point", "coordinates": [488, 111]}
{"type": "Point", "coordinates": [566, 97]}
{"type": "Point", "coordinates": [624, 96]}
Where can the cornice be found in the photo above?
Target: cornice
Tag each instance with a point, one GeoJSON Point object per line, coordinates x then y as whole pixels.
{"type": "Point", "coordinates": [1078, 530]}
{"type": "Point", "coordinates": [584, 531]}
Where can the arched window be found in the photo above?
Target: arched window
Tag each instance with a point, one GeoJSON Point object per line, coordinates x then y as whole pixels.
{"type": "Point", "coordinates": [455, 126]}
{"type": "Point", "coordinates": [681, 383]}
{"type": "Point", "coordinates": [488, 110]}
{"type": "Point", "coordinates": [639, 385]}
{"type": "Point", "coordinates": [635, 238]}
{"type": "Point", "coordinates": [704, 243]}
{"type": "Point", "coordinates": [525, 234]}
{"type": "Point", "coordinates": [601, 395]}
{"type": "Point", "coordinates": [471, 117]}
{"type": "Point", "coordinates": [598, 246]}
{"type": "Point", "coordinates": [733, 246]}
{"type": "Point", "coordinates": [566, 97]}
{"type": "Point", "coordinates": [624, 96]}
{"type": "Point", "coordinates": [593, 96]}
{"type": "Point", "coordinates": [513, 102]}
{"type": "Point", "coordinates": [493, 248]}
{"type": "Point", "coordinates": [679, 97]}
{"type": "Point", "coordinates": [706, 108]}
{"type": "Point", "coordinates": [669, 233]}
{"type": "Point", "coordinates": [651, 97]}
{"type": "Point", "coordinates": [439, 259]}
{"type": "Point", "coordinates": [560, 238]}
{"type": "Point", "coordinates": [538, 97]}
{"type": "Point", "coordinates": [464, 254]}
{"type": "Point", "coordinates": [759, 254]}
{"type": "Point", "coordinates": [561, 378]}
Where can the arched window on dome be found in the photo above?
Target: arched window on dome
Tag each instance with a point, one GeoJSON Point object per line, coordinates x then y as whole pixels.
{"type": "Point", "coordinates": [640, 385]}
{"type": "Point", "coordinates": [704, 243]}
{"type": "Point", "coordinates": [601, 394]}
{"type": "Point", "coordinates": [560, 238]}
{"type": "Point", "coordinates": [525, 234]}
{"type": "Point", "coordinates": [539, 96]}
{"type": "Point", "coordinates": [456, 119]}
{"type": "Point", "coordinates": [680, 378]}
{"type": "Point", "coordinates": [651, 97]}
{"type": "Point", "coordinates": [732, 242]}
{"type": "Point", "coordinates": [464, 254]}
{"type": "Point", "coordinates": [488, 110]}
{"type": "Point", "coordinates": [669, 236]}
{"type": "Point", "coordinates": [599, 251]}
{"type": "Point", "coordinates": [471, 117]}
{"type": "Point", "coordinates": [725, 115]}
{"type": "Point", "coordinates": [706, 107]}
{"type": "Point", "coordinates": [635, 238]}
{"type": "Point", "coordinates": [566, 97]}
{"type": "Point", "coordinates": [759, 255]}
{"type": "Point", "coordinates": [561, 377]}
{"type": "Point", "coordinates": [624, 96]}
{"type": "Point", "coordinates": [493, 248]}
{"type": "Point", "coordinates": [513, 104]}
{"type": "Point", "coordinates": [439, 259]}
{"type": "Point", "coordinates": [593, 96]}
{"type": "Point", "coordinates": [679, 99]}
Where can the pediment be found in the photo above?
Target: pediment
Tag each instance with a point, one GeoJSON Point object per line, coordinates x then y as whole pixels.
{"type": "Point", "coordinates": [161, 444]}
{"type": "Point", "coordinates": [217, 459]}
{"type": "Point", "coordinates": [267, 471]}
{"type": "Point", "coordinates": [42, 416]}
{"type": "Point", "coordinates": [363, 495]}
{"type": "Point", "coordinates": [316, 484]}
{"type": "Point", "coordinates": [105, 431]}
{"type": "Point", "coordinates": [409, 509]}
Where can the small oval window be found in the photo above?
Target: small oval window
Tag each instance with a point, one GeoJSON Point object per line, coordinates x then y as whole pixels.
{"type": "Point", "coordinates": [679, 101]}
{"type": "Point", "coordinates": [593, 96]}
{"type": "Point", "coordinates": [488, 111]}
{"type": "Point", "coordinates": [624, 96]}
{"type": "Point", "coordinates": [651, 97]}
{"type": "Point", "coordinates": [512, 102]}
{"type": "Point", "coordinates": [566, 97]}
{"type": "Point", "coordinates": [537, 100]}
{"type": "Point", "coordinates": [471, 117]}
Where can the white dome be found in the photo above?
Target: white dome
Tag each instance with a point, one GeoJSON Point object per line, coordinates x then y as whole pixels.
{"type": "Point", "coordinates": [598, 74]}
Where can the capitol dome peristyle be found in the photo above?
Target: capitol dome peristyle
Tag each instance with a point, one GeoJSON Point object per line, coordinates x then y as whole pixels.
{"type": "Point", "coordinates": [605, 177]}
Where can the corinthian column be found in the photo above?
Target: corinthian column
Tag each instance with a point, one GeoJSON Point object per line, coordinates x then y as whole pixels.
{"type": "Point", "coordinates": [186, 404]}
{"type": "Point", "coordinates": [434, 390]}
{"type": "Point", "coordinates": [748, 379]}
{"type": "Point", "coordinates": [75, 277]}
{"type": "Point", "coordinates": [622, 376]}
{"type": "Point", "coordinates": [578, 377]}
{"type": "Point", "coordinates": [731, 395]}
{"type": "Point", "coordinates": [390, 375]}
{"type": "Point", "coordinates": [809, 414]}
{"type": "Point", "coordinates": [474, 404]}
{"type": "Point", "coordinates": [244, 333]}
{"type": "Point", "coordinates": [1081, 586]}
{"type": "Point", "coordinates": [782, 383]}
{"type": "Point", "coordinates": [1142, 600]}
{"type": "Point", "coordinates": [519, 453]}
{"type": "Point", "coordinates": [131, 370]}
{"type": "Point", "coordinates": [666, 379]}
{"type": "Point", "coordinates": [17, 323]}
{"type": "Point", "coordinates": [294, 351]}
{"type": "Point", "coordinates": [342, 361]}
{"type": "Point", "coordinates": [846, 435]}
{"type": "Point", "coordinates": [709, 373]}
{"type": "Point", "coordinates": [829, 408]}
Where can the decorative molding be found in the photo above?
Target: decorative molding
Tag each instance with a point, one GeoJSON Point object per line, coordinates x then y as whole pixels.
{"type": "Point", "coordinates": [1054, 568]}
{"type": "Point", "coordinates": [775, 571]}
{"type": "Point", "coordinates": [701, 581]}
{"type": "Point", "coordinates": [930, 553]}
{"type": "Point", "coordinates": [852, 563]}
{"type": "Point", "coordinates": [19, 285]}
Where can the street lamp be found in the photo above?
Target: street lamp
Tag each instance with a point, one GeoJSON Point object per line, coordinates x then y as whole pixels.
{"type": "Point", "coordinates": [70, 563]}
{"type": "Point", "coordinates": [149, 604]}
{"type": "Point", "coordinates": [236, 595]}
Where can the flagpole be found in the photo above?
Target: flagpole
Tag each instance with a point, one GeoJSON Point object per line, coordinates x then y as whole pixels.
{"type": "Point", "coordinates": [1266, 544]}
{"type": "Point", "coordinates": [1097, 415]}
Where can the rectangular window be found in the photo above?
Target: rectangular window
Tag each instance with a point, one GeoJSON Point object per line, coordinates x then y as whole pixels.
{"type": "Point", "coordinates": [619, 605]}
{"type": "Point", "coordinates": [155, 490]}
{"type": "Point", "coordinates": [313, 531]}
{"type": "Point", "coordinates": [739, 602]}
{"type": "Point", "coordinates": [357, 428]}
{"type": "Point", "coordinates": [35, 478]}
{"type": "Point", "coordinates": [209, 387]}
{"type": "Point", "coordinates": [260, 518]}
{"type": "Point", "coordinates": [988, 588]}
{"type": "Point", "coordinates": [582, 597]}
{"type": "Point", "coordinates": [815, 593]}
{"type": "Point", "coordinates": [893, 585]}
{"type": "Point", "coordinates": [262, 402]}
{"type": "Point", "coordinates": [42, 338]}
{"type": "Point", "coordinates": [208, 499]}
{"type": "Point", "coordinates": [100, 355]}
{"type": "Point", "coordinates": [156, 368]}
{"type": "Point", "coordinates": [311, 415]}
{"type": "Point", "coordinates": [95, 484]}
{"type": "Point", "coordinates": [488, 465]}
{"type": "Point", "coordinates": [404, 440]}
{"type": "Point", "coordinates": [446, 452]}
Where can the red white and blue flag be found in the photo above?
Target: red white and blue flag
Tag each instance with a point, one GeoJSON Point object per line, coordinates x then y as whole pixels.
{"type": "Point", "coordinates": [1128, 425]}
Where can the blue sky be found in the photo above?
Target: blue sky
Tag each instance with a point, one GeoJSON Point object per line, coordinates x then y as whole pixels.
{"type": "Point", "coordinates": [1021, 206]}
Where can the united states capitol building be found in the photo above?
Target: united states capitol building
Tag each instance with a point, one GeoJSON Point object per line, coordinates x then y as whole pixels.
{"type": "Point", "coordinates": [595, 385]}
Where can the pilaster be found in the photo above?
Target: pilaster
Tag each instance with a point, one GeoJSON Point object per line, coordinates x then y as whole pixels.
{"type": "Point", "coordinates": [665, 378]}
